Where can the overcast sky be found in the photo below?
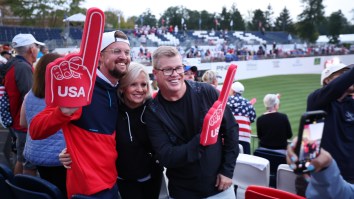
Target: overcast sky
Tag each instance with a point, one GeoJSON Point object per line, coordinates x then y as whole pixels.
{"type": "Point", "coordinates": [157, 7]}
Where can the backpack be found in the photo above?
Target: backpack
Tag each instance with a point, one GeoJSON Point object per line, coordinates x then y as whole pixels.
{"type": "Point", "coordinates": [5, 115]}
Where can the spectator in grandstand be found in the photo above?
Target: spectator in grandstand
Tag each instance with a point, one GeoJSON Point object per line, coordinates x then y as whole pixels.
{"type": "Point", "coordinates": [326, 180]}
{"type": "Point", "coordinates": [43, 153]}
{"type": "Point", "coordinates": [211, 77]}
{"type": "Point", "coordinates": [90, 130]}
{"type": "Point", "coordinates": [139, 176]}
{"type": "Point", "coordinates": [174, 120]}
{"type": "Point", "coordinates": [336, 98]}
{"type": "Point", "coordinates": [190, 72]}
{"type": "Point", "coordinates": [244, 113]}
{"type": "Point", "coordinates": [273, 128]}
{"type": "Point", "coordinates": [18, 81]}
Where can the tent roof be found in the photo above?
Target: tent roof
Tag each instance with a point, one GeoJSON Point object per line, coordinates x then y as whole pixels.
{"type": "Point", "coordinates": [76, 18]}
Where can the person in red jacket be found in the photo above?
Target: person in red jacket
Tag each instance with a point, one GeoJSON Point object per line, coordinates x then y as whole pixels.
{"type": "Point", "coordinates": [89, 131]}
{"type": "Point", "coordinates": [18, 81]}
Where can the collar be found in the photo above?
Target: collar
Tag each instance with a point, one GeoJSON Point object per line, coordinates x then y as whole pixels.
{"type": "Point", "coordinates": [99, 74]}
{"type": "Point", "coordinates": [23, 58]}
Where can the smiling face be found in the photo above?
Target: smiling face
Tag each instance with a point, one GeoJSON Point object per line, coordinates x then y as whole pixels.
{"type": "Point", "coordinates": [171, 86]}
{"type": "Point", "coordinates": [114, 60]}
{"type": "Point", "coordinates": [136, 92]}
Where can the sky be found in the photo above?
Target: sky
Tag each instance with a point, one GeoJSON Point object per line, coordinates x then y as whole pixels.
{"type": "Point", "coordinates": [157, 7]}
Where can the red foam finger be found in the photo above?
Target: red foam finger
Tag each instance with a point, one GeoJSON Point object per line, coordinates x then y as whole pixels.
{"type": "Point", "coordinates": [92, 38]}
{"type": "Point", "coordinates": [71, 79]}
{"type": "Point", "coordinates": [213, 118]}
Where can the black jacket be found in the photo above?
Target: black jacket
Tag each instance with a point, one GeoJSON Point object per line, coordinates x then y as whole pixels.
{"type": "Point", "coordinates": [338, 133]}
{"type": "Point", "coordinates": [191, 168]}
{"type": "Point", "coordinates": [135, 157]}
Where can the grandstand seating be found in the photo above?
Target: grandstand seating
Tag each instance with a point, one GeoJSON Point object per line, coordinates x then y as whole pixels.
{"type": "Point", "coordinates": [41, 34]}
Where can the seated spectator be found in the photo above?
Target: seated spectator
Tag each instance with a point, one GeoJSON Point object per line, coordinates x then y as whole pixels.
{"type": "Point", "coordinates": [273, 128]}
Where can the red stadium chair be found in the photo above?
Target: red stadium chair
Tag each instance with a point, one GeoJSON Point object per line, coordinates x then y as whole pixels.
{"type": "Point", "coordinates": [260, 192]}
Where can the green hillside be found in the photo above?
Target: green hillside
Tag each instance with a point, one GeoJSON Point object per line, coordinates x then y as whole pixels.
{"type": "Point", "coordinates": [294, 90]}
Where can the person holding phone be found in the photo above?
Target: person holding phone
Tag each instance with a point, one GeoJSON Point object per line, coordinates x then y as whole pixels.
{"type": "Point", "coordinates": [326, 180]}
{"type": "Point", "coordinates": [336, 98]}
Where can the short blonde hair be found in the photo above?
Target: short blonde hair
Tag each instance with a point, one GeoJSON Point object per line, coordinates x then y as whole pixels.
{"type": "Point", "coordinates": [209, 77]}
{"type": "Point", "coordinates": [270, 100]}
{"type": "Point", "coordinates": [134, 70]}
{"type": "Point", "coordinates": [163, 51]}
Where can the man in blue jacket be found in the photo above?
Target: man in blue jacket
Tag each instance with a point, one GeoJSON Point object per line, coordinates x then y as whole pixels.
{"type": "Point", "coordinates": [174, 120]}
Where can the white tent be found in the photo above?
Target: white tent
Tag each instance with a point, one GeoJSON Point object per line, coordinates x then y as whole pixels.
{"type": "Point", "coordinates": [76, 18]}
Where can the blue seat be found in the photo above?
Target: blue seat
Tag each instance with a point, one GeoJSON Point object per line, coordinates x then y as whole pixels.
{"type": "Point", "coordinates": [275, 159]}
{"type": "Point", "coordinates": [25, 186]}
{"type": "Point", "coordinates": [5, 174]}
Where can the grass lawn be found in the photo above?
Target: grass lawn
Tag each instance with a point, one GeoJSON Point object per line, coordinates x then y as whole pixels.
{"type": "Point", "coordinates": [293, 89]}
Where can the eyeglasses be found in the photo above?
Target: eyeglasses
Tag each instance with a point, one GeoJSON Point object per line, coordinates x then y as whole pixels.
{"type": "Point", "coordinates": [169, 71]}
{"type": "Point", "coordinates": [117, 51]}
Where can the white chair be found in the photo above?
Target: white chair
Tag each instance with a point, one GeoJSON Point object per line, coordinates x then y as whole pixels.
{"type": "Point", "coordinates": [250, 170]}
{"type": "Point", "coordinates": [286, 178]}
{"type": "Point", "coordinates": [164, 186]}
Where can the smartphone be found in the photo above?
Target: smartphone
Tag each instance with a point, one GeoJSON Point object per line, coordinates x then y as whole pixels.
{"type": "Point", "coordinates": [309, 139]}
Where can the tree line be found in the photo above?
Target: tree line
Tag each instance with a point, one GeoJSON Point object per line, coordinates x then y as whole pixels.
{"type": "Point", "coordinates": [310, 24]}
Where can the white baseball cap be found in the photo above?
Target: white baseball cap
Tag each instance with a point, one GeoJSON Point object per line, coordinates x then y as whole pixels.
{"type": "Point", "coordinates": [24, 40]}
{"type": "Point", "coordinates": [109, 38]}
{"type": "Point", "coordinates": [238, 87]}
{"type": "Point", "coordinates": [332, 69]}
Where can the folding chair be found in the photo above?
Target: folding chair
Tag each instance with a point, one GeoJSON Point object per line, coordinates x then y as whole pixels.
{"type": "Point", "coordinates": [286, 178]}
{"type": "Point", "coordinates": [260, 192]}
{"type": "Point", "coordinates": [250, 170]}
{"type": "Point", "coordinates": [25, 186]}
{"type": "Point", "coordinates": [275, 159]}
{"type": "Point", "coordinates": [5, 174]}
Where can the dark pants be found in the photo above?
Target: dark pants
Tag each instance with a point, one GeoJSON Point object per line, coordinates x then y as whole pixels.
{"type": "Point", "coordinates": [106, 194]}
{"type": "Point", "coordinates": [149, 189]}
{"type": "Point", "coordinates": [246, 147]}
{"type": "Point", "coordinates": [55, 175]}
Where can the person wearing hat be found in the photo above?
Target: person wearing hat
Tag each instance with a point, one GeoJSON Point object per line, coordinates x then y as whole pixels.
{"type": "Point", "coordinates": [90, 131]}
{"type": "Point", "coordinates": [18, 81]}
{"type": "Point", "coordinates": [244, 114]}
{"type": "Point", "coordinates": [190, 72]}
{"type": "Point", "coordinates": [6, 54]}
{"type": "Point", "coordinates": [336, 98]}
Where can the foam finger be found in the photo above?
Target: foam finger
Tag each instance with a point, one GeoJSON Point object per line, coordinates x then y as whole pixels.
{"type": "Point", "coordinates": [91, 38]}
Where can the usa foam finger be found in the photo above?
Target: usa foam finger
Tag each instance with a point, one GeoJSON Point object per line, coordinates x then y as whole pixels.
{"type": "Point", "coordinates": [92, 38]}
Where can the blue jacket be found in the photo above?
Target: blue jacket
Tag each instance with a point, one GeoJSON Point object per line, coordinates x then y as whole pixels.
{"type": "Point", "coordinates": [328, 183]}
{"type": "Point", "coordinates": [41, 152]}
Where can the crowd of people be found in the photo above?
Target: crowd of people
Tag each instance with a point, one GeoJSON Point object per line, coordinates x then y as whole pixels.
{"type": "Point", "coordinates": [119, 144]}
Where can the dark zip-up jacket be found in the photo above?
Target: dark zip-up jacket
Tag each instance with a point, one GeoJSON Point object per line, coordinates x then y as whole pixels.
{"type": "Point", "coordinates": [338, 133]}
{"type": "Point", "coordinates": [191, 168]}
{"type": "Point", "coordinates": [135, 160]}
